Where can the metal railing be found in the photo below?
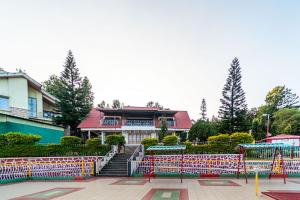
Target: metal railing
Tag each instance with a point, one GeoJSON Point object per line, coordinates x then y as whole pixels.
{"type": "Point", "coordinates": [131, 122]}
{"type": "Point", "coordinates": [104, 161]}
{"type": "Point", "coordinates": [132, 162]}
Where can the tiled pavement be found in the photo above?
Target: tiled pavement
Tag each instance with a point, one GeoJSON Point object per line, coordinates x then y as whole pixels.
{"type": "Point", "coordinates": [137, 189]}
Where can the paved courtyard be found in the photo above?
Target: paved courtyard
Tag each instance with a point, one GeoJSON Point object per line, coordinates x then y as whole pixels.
{"type": "Point", "coordinates": [141, 189]}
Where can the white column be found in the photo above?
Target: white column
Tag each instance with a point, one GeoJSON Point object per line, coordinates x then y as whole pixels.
{"type": "Point", "coordinates": [102, 137]}
{"type": "Point", "coordinates": [89, 134]}
{"type": "Point", "coordinates": [125, 134]}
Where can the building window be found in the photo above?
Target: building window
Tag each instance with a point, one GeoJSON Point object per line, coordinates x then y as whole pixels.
{"type": "Point", "coordinates": [4, 103]}
{"type": "Point", "coordinates": [48, 114]}
{"type": "Point", "coordinates": [32, 107]}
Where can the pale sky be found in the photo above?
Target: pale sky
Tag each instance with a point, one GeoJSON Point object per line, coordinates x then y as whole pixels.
{"type": "Point", "coordinates": [173, 52]}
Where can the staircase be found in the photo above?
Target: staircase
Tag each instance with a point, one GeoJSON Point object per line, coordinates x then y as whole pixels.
{"type": "Point", "coordinates": [117, 166]}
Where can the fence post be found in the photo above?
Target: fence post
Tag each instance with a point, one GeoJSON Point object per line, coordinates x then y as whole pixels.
{"type": "Point", "coordinates": [29, 169]}
{"type": "Point", "coordinates": [82, 168]}
{"type": "Point", "coordinates": [129, 168]}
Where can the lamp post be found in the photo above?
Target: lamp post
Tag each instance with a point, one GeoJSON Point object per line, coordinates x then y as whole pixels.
{"type": "Point", "coordinates": [268, 124]}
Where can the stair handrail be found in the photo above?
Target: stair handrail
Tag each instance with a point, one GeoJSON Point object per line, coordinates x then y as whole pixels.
{"type": "Point", "coordinates": [108, 156]}
{"type": "Point", "coordinates": [132, 166]}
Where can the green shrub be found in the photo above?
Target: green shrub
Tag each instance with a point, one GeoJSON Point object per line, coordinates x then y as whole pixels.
{"type": "Point", "coordinates": [188, 144]}
{"type": "Point", "coordinates": [170, 140]}
{"type": "Point", "coordinates": [93, 142]}
{"type": "Point", "coordinates": [115, 140]}
{"type": "Point", "coordinates": [220, 143]}
{"type": "Point", "coordinates": [240, 138]}
{"type": "Point", "coordinates": [15, 138]}
{"type": "Point", "coordinates": [3, 140]}
{"type": "Point", "coordinates": [52, 150]}
{"type": "Point", "coordinates": [147, 142]}
{"type": "Point", "coordinates": [70, 140]}
{"type": "Point", "coordinates": [220, 139]}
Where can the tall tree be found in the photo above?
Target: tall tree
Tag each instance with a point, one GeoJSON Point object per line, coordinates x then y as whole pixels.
{"type": "Point", "coordinates": [116, 104]}
{"type": "Point", "coordinates": [287, 121]}
{"type": "Point", "coordinates": [102, 104]}
{"type": "Point", "coordinates": [278, 98]}
{"type": "Point", "coordinates": [157, 105]}
{"type": "Point", "coordinates": [74, 94]}
{"type": "Point", "coordinates": [233, 104]}
{"type": "Point", "coordinates": [201, 130]}
{"type": "Point", "coordinates": [203, 109]}
{"type": "Point", "coordinates": [52, 85]}
{"type": "Point", "coordinates": [150, 104]}
{"type": "Point", "coordinates": [281, 97]}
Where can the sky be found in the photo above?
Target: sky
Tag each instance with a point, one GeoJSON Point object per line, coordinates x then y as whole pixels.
{"type": "Point", "coordinates": [173, 52]}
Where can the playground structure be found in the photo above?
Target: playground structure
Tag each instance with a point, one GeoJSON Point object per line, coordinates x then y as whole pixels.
{"type": "Point", "coordinates": [179, 167]}
{"type": "Point", "coordinates": [277, 151]}
{"type": "Point", "coordinates": [268, 159]}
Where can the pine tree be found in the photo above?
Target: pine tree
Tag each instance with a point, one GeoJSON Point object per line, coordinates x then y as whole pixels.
{"type": "Point", "coordinates": [233, 104]}
{"type": "Point", "coordinates": [203, 109]}
{"type": "Point", "coordinates": [74, 94]}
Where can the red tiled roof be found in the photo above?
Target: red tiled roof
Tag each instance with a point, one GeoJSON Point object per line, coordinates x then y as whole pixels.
{"type": "Point", "coordinates": [183, 120]}
{"type": "Point", "coordinates": [139, 108]}
{"type": "Point", "coordinates": [283, 136]}
{"type": "Point", "coordinates": [92, 120]}
{"type": "Point", "coordinates": [94, 117]}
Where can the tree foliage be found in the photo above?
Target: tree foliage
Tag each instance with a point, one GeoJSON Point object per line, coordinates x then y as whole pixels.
{"type": "Point", "coordinates": [287, 121]}
{"type": "Point", "coordinates": [233, 107]}
{"type": "Point", "coordinates": [102, 104]}
{"type": "Point", "coordinates": [152, 104]}
{"type": "Point", "coordinates": [116, 104]}
{"type": "Point", "coordinates": [281, 97]}
{"type": "Point", "coordinates": [74, 94]}
{"type": "Point", "coordinates": [201, 130]}
{"type": "Point", "coordinates": [278, 101]}
{"type": "Point", "coordinates": [203, 109]}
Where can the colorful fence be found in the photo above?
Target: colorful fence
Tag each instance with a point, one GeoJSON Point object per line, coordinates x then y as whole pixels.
{"type": "Point", "coordinates": [211, 164]}
{"type": "Point", "coordinates": [14, 169]}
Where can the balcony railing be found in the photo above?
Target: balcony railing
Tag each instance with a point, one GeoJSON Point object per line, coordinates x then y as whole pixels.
{"type": "Point", "coordinates": [110, 122]}
{"type": "Point", "coordinates": [131, 122]}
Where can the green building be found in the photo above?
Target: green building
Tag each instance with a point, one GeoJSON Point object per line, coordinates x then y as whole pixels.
{"type": "Point", "coordinates": [26, 108]}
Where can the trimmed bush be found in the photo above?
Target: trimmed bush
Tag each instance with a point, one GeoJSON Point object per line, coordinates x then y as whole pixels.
{"type": "Point", "coordinates": [16, 138]}
{"type": "Point", "coordinates": [115, 140]}
{"type": "Point", "coordinates": [147, 142]}
{"type": "Point", "coordinates": [170, 140]}
{"type": "Point", "coordinates": [188, 144]}
{"type": "Point", "coordinates": [220, 143]}
{"type": "Point", "coordinates": [70, 141]}
{"type": "Point", "coordinates": [93, 142]}
{"type": "Point", "coordinates": [240, 138]}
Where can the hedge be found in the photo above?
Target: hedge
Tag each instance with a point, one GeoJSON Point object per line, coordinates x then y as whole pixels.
{"type": "Point", "coordinates": [52, 150]}
{"type": "Point", "coordinates": [115, 140]}
{"type": "Point", "coordinates": [93, 142]}
{"type": "Point", "coordinates": [70, 140]}
{"type": "Point", "coordinates": [16, 138]}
